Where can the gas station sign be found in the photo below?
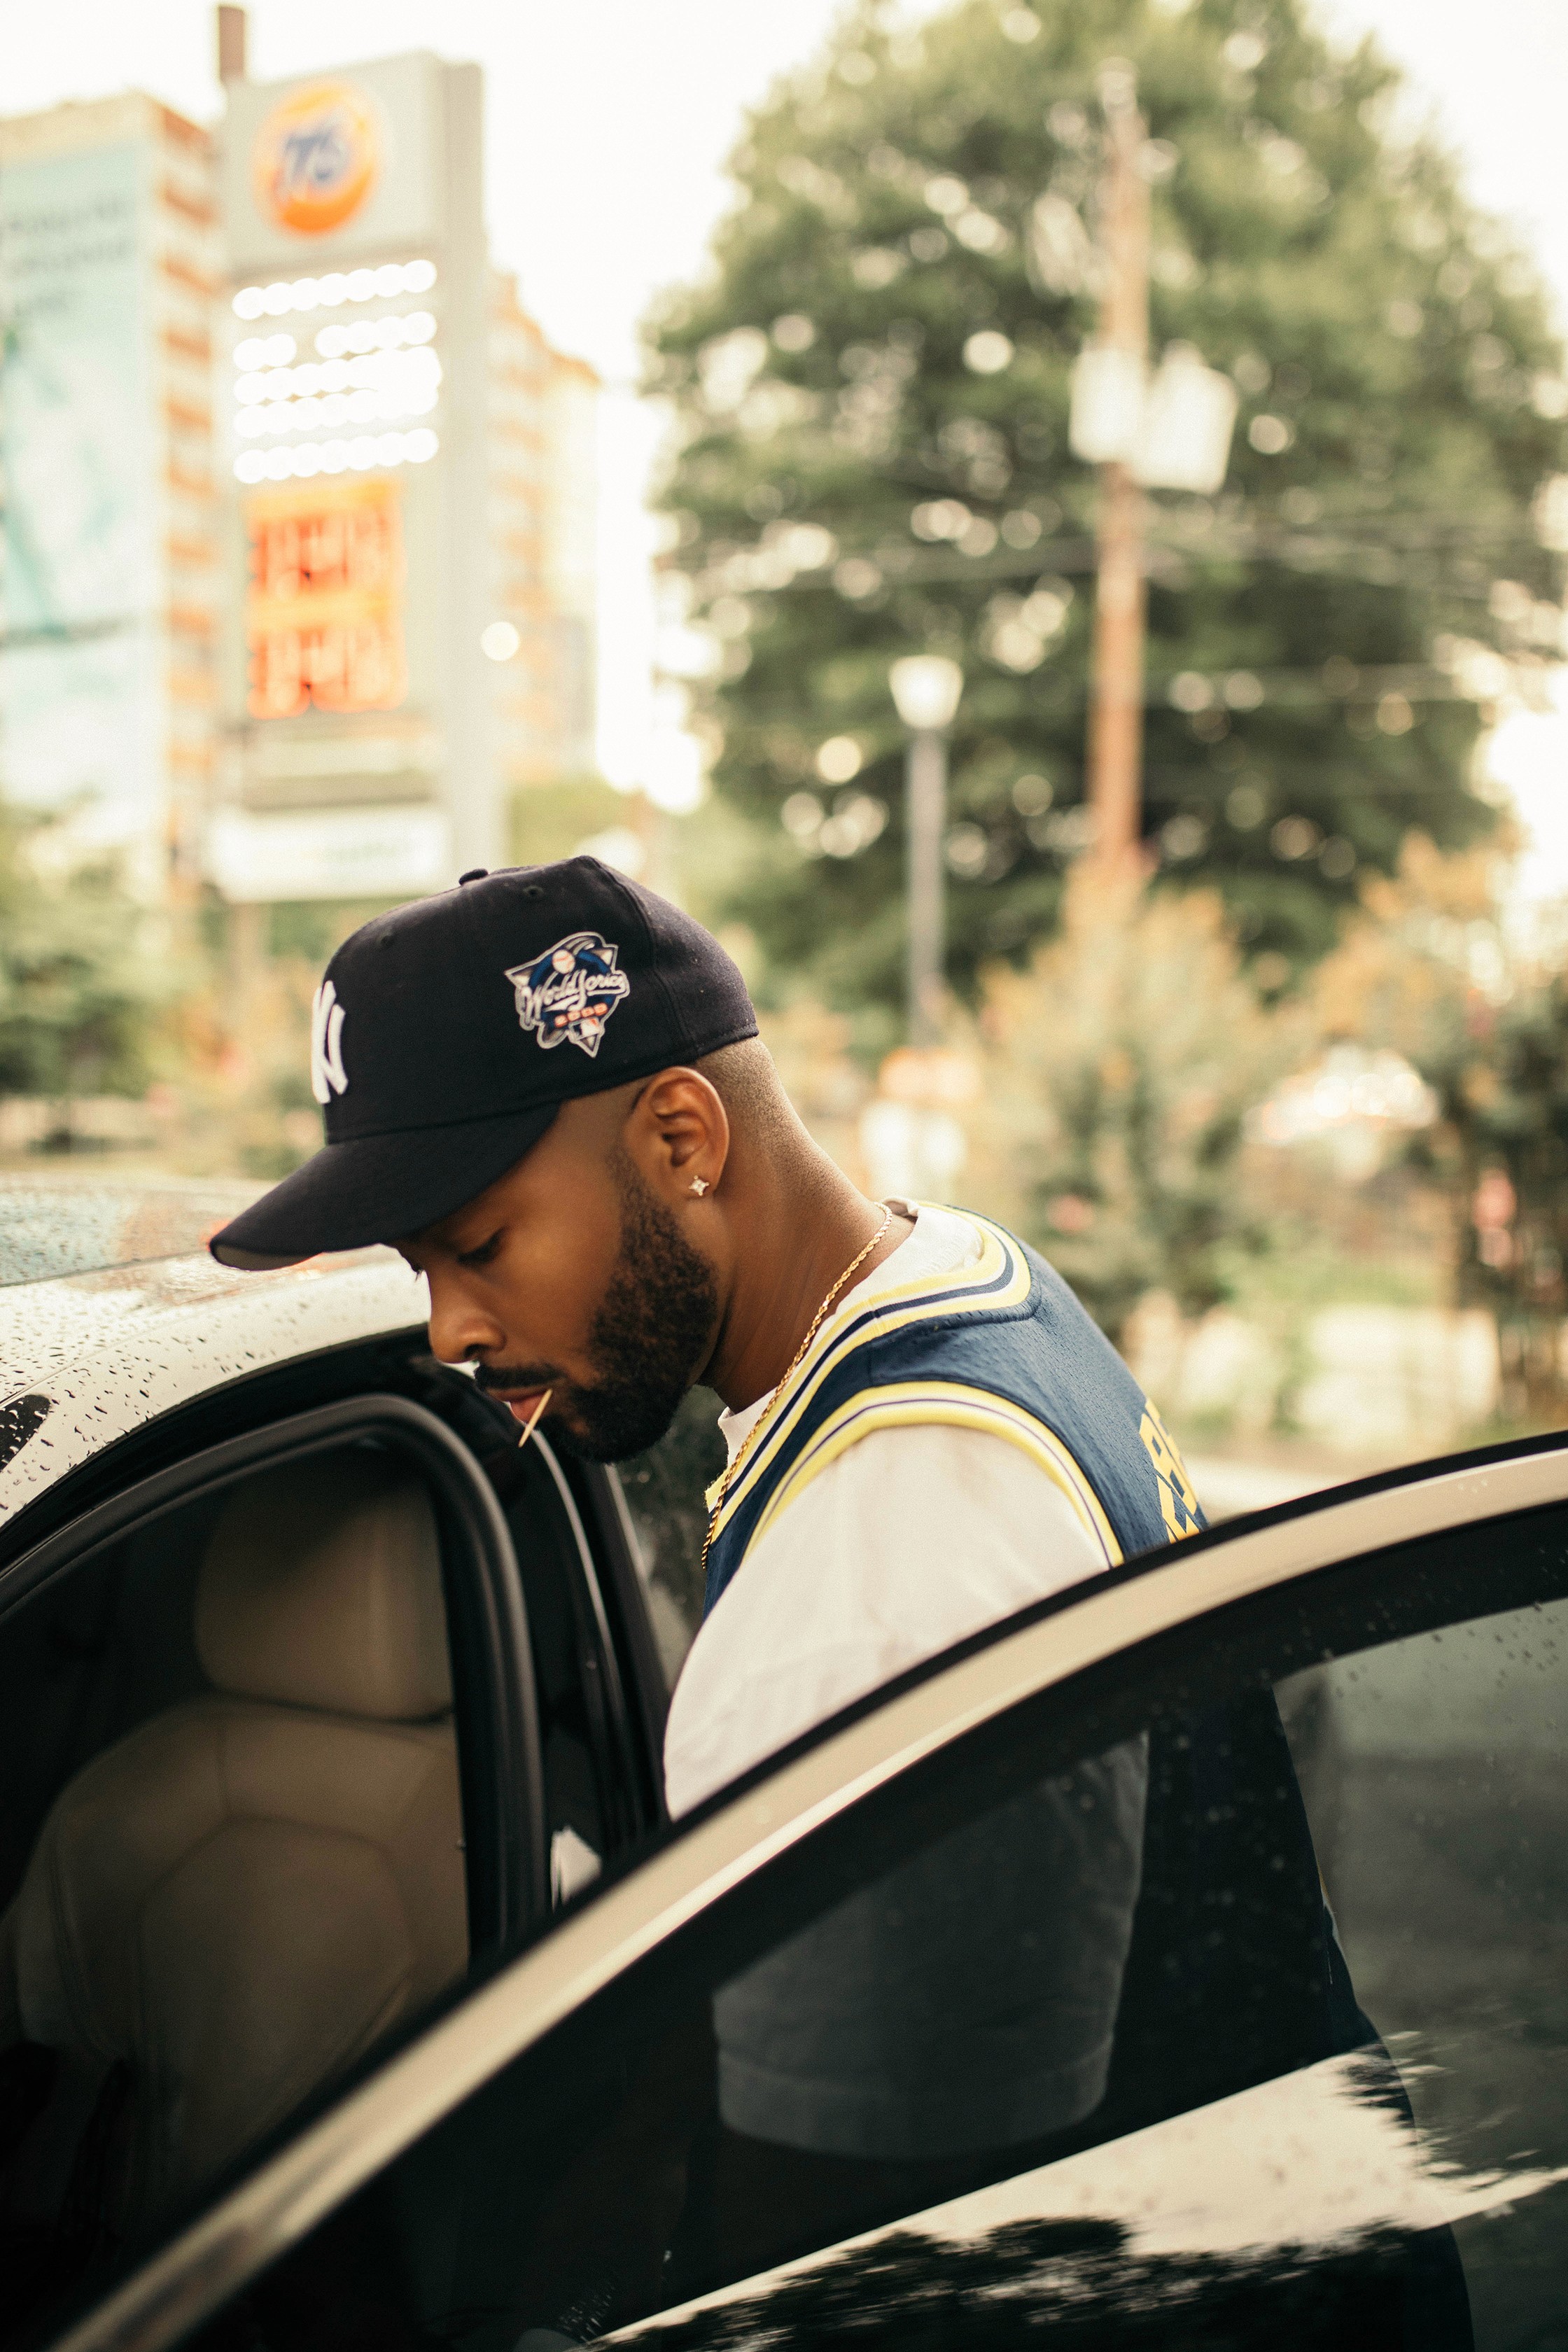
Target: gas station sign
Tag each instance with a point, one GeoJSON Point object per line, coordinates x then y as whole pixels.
{"type": "Point", "coordinates": [356, 450]}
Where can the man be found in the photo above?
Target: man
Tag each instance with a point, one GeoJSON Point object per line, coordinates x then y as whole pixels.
{"type": "Point", "coordinates": [546, 1087]}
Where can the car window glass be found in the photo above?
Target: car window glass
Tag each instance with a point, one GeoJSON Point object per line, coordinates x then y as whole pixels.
{"type": "Point", "coordinates": [1434, 1771]}
{"type": "Point", "coordinates": [590, 1792]}
{"type": "Point", "coordinates": [665, 1492]}
{"type": "Point", "coordinates": [1061, 2029]}
{"type": "Point", "coordinates": [232, 1849]}
{"type": "Point", "coordinates": [585, 1803]}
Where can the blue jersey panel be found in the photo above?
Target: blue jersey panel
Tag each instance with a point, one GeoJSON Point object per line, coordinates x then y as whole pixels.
{"type": "Point", "coordinates": [1018, 1334]}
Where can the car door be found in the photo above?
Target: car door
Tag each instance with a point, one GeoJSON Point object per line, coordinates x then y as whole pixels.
{"type": "Point", "coordinates": [1017, 2003]}
{"type": "Point", "coordinates": [591, 1653]}
{"type": "Point", "coordinates": [301, 1725]}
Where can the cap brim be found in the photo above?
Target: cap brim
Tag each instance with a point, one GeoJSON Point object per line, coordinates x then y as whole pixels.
{"type": "Point", "coordinates": [377, 1188]}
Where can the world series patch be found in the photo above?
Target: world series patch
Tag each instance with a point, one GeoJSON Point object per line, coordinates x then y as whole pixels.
{"type": "Point", "coordinates": [570, 991]}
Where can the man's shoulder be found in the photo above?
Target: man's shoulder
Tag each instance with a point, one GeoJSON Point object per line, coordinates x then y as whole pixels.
{"type": "Point", "coordinates": [1008, 1347]}
{"type": "Point", "coordinates": [942, 1477]}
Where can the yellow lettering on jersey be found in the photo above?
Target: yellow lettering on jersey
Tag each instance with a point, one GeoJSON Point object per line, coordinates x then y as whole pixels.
{"type": "Point", "coordinates": [1178, 1501]}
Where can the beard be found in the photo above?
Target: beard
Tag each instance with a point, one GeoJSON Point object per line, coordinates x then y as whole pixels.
{"type": "Point", "coordinates": [650, 1332]}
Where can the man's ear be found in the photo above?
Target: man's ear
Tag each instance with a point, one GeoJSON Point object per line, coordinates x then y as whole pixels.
{"type": "Point", "coordinates": [678, 1134]}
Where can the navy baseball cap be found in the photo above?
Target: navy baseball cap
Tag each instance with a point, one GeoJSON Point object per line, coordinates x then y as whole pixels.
{"type": "Point", "coordinates": [447, 1035]}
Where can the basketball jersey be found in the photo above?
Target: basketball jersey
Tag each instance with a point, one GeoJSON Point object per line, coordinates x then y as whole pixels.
{"type": "Point", "coordinates": [999, 1344]}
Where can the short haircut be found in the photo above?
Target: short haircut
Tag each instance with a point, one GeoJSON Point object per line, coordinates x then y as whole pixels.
{"type": "Point", "coordinates": [746, 1081]}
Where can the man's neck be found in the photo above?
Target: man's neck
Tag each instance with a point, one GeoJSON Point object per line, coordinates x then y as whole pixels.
{"type": "Point", "coordinates": [798, 1225]}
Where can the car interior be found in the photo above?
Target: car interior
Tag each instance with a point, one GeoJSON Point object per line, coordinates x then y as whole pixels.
{"type": "Point", "coordinates": [232, 1849]}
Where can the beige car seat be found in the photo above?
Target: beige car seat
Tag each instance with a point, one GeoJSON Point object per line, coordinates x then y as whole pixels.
{"type": "Point", "coordinates": [240, 1896]}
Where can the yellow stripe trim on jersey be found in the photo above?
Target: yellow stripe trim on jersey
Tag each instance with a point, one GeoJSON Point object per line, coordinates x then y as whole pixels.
{"type": "Point", "coordinates": [919, 1403]}
{"type": "Point", "coordinates": [999, 1264]}
{"type": "Point", "coordinates": [924, 1300]}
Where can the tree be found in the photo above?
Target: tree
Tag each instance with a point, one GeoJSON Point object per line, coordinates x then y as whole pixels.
{"type": "Point", "coordinates": [1118, 1069]}
{"type": "Point", "coordinates": [1431, 971]}
{"type": "Point", "coordinates": [79, 981]}
{"type": "Point", "coordinates": [870, 390]}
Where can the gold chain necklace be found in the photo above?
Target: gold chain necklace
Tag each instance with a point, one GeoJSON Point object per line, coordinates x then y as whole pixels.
{"type": "Point", "coordinates": [817, 1322]}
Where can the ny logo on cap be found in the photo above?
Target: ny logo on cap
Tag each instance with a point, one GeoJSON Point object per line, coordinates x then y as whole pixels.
{"type": "Point", "coordinates": [328, 1075]}
{"type": "Point", "coordinates": [570, 991]}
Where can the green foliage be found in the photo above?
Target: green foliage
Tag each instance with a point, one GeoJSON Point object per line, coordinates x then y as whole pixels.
{"type": "Point", "coordinates": [1119, 1069]}
{"type": "Point", "coordinates": [549, 820]}
{"type": "Point", "coordinates": [912, 191]}
{"type": "Point", "coordinates": [79, 979]}
{"type": "Point", "coordinates": [1516, 1122]}
{"type": "Point", "coordinates": [1488, 1029]}
{"type": "Point", "coordinates": [667, 1494]}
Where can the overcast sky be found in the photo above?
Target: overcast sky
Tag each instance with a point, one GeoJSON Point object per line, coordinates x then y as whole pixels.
{"type": "Point", "coordinates": [609, 119]}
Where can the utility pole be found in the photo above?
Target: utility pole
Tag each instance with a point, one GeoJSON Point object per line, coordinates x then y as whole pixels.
{"type": "Point", "coordinates": [1115, 714]}
{"type": "Point", "coordinates": [231, 44]}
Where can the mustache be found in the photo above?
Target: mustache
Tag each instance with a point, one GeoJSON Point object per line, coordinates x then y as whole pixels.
{"type": "Point", "coordinates": [514, 1377]}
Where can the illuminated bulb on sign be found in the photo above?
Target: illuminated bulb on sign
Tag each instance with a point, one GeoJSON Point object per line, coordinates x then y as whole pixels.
{"type": "Point", "coordinates": [384, 384]}
{"type": "Point", "coordinates": [500, 641]}
{"type": "Point", "coordinates": [337, 287]}
{"type": "Point", "coordinates": [373, 335]}
{"type": "Point", "coordinates": [264, 350]}
{"type": "Point", "coordinates": [359, 455]}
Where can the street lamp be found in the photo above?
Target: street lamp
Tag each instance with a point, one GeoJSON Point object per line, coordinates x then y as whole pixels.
{"type": "Point", "coordinates": [926, 688]}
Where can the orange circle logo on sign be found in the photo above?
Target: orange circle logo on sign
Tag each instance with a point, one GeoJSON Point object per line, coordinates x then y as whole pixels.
{"type": "Point", "coordinates": [316, 159]}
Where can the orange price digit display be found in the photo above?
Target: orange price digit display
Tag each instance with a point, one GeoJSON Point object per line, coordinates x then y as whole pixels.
{"type": "Point", "coordinates": [324, 609]}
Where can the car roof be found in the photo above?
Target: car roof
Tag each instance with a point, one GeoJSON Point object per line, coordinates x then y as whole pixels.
{"type": "Point", "coordinates": [112, 1312]}
{"type": "Point", "coordinates": [69, 1221]}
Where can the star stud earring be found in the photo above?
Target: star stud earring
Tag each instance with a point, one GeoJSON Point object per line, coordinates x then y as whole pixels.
{"type": "Point", "coordinates": [698, 1186]}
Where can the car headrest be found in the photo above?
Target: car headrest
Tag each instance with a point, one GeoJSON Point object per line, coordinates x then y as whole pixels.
{"type": "Point", "coordinates": [321, 1587]}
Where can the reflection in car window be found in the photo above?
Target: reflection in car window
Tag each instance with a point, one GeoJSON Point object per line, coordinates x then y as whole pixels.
{"type": "Point", "coordinates": [1434, 1773]}
{"type": "Point", "coordinates": [868, 2036]}
{"type": "Point", "coordinates": [1059, 2031]}
{"type": "Point", "coordinates": [666, 1493]}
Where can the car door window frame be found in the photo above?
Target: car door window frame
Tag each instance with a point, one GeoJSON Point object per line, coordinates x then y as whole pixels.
{"type": "Point", "coordinates": [534, 1486]}
{"type": "Point", "coordinates": [1050, 1652]}
{"type": "Point", "coordinates": [617, 1545]}
{"type": "Point", "coordinates": [603, 1686]}
{"type": "Point", "coordinates": [498, 1726]}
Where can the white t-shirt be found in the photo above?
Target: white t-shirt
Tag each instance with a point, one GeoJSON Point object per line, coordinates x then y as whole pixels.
{"type": "Point", "coordinates": [912, 1539]}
